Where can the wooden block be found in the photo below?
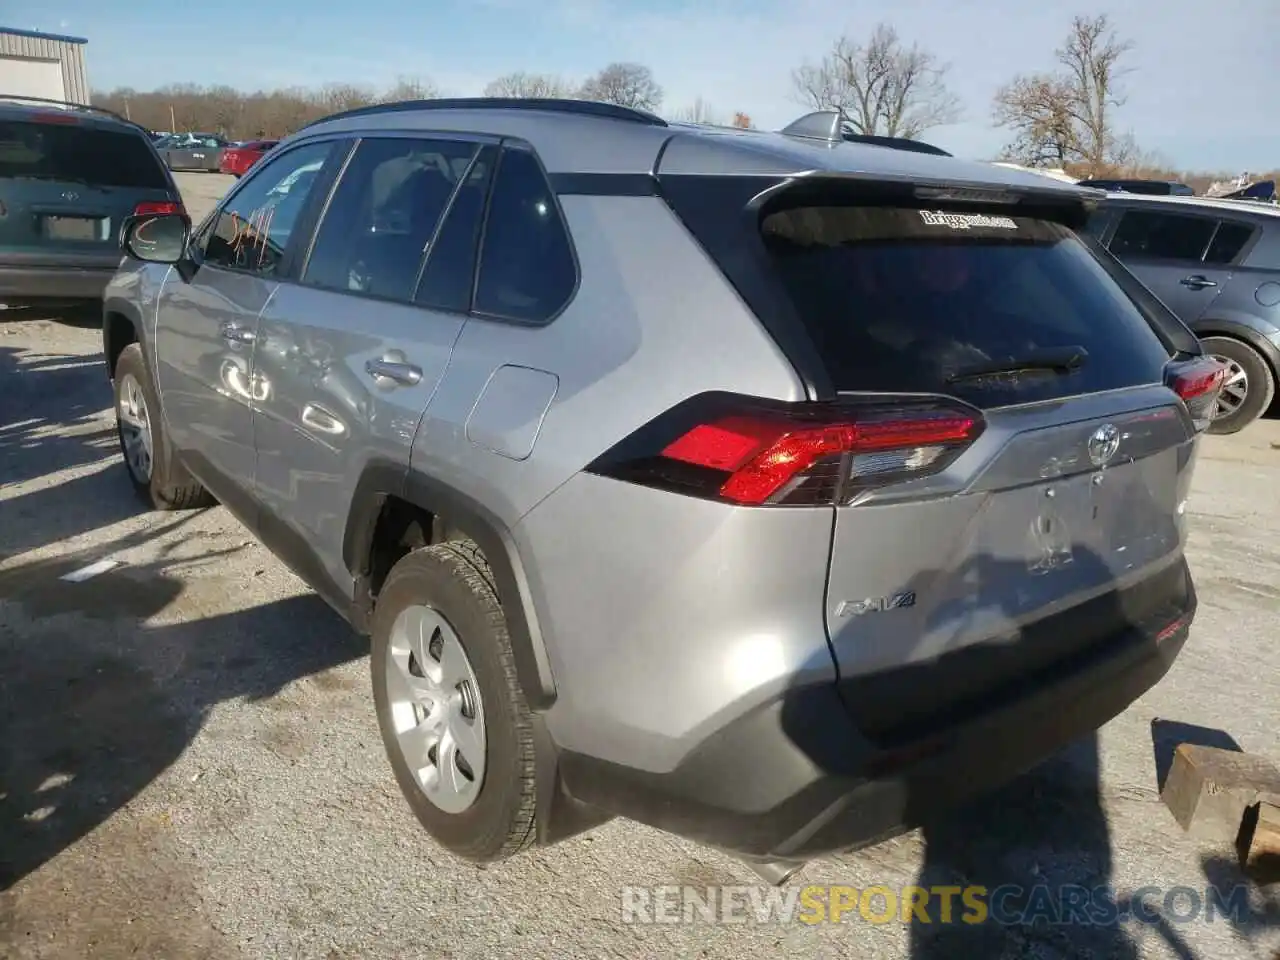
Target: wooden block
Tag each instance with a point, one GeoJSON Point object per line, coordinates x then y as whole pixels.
{"type": "Point", "coordinates": [1261, 857]}
{"type": "Point", "coordinates": [1209, 789]}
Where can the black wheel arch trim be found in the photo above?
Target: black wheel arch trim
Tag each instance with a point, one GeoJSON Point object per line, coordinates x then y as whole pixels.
{"type": "Point", "coordinates": [381, 480]}
{"type": "Point", "coordinates": [127, 310]}
{"type": "Point", "coordinates": [1242, 331]}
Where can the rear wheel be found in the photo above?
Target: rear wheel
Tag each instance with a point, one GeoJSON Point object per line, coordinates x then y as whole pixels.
{"type": "Point", "coordinates": [161, 482]}
{"type": "Point", "coordinates": [450, 709]}
{"type": "Point", "coordinates": [1249, 389]}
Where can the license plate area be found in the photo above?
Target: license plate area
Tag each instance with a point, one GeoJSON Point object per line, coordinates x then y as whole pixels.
{"type": "Point", "coordinates": [75, 228]}
{"type": "Point", "coordinates": [1063, 517]}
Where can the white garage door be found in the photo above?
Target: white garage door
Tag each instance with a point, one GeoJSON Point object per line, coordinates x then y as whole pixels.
{"type": "Point", "coordinates": [23, 77]}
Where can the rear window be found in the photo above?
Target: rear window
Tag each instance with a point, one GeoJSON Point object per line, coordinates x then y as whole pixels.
{"type": "Point", "coordinates": [900, 299]}
{"type": "Point", "coordinates": [78, 153]}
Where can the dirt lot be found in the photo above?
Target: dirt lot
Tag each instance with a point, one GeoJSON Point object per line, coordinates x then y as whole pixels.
{"type": "Point", "coordinates": [189, 765]}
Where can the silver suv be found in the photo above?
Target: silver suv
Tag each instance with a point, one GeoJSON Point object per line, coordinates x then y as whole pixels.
{"type": "Point", "coordinates": [771, 488]}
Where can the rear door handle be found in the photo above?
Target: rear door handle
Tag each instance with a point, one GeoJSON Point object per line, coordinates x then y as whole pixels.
{"type": "Point", "coordinates": [1197, 282]}
{"type": "Point", "coordinates": [237, 334]}
{"type": "Point", "coordinates": [389, 369]}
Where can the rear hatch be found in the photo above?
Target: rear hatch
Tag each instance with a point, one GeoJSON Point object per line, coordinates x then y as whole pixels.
{"type": "Point", "coordinates": [67, 182]}
{"type": "Point", "coordinates": [1006, 459]}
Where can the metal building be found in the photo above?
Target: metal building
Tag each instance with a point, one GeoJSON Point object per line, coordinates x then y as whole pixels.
{"type": "Point", "coordinates": [43, 65]}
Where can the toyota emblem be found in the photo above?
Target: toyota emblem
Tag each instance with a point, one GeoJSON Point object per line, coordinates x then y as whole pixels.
{"type": "Point", "coordinates": [1103, 444]}
{"type": "Point", "coordinates": [71, 196]}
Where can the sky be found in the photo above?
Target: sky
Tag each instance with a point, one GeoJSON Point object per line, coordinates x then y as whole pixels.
{"type": "Point", "coordinates": [1203, 91]}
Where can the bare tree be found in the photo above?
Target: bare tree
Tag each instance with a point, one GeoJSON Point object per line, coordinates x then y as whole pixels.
{"type": "Point", "coordinates": [882, 86]}
{"type": "Point", "coordinates": [626, 84]}
{"type": "Point", "coordinates": [697, 112]}
{"type": "Point", "coordinates": [410, 88]}
{"type": "Point", "coordinates": [529, 86]}
{"type": "Point", "coordinates": [1069, 116]}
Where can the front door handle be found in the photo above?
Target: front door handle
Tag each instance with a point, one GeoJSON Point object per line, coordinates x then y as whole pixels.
{"type": "Point", "coordinates": [237, 334]}
{"type": "Point", "coordinates": [392, 370]}
{"type": "Point", "coordinates": [1197, 282]}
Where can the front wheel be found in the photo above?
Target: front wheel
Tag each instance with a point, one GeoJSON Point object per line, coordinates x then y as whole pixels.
{"type": "Point", "coordinates": [1249, 389]}
{"type": "Point", "coordinates": [161, 482]}
{"type": "Point", "coordinates": [450, 708]}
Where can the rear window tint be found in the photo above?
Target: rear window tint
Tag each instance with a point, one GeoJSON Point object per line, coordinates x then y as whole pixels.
{"type": "Point", "coordinates": [78, 153]}
{"type": "Point", "coordinates": [903, 299]}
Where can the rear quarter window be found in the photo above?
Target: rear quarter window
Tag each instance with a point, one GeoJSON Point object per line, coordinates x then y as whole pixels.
{"type": "Point", "coordinates": [78, 153]}
{"type": "Point", "coordinates": [909, 300]}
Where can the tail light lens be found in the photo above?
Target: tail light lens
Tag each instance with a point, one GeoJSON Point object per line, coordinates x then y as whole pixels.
{"type": "Point", "coordinates": [1198, 382]}
{"type": "Point", "coordinates": [158, 208]}
{"type": "Point", "coordinates": [751, 452]}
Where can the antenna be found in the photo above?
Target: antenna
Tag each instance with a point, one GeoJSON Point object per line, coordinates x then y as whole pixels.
{"type": "Point", "coordinates": [820, 125]}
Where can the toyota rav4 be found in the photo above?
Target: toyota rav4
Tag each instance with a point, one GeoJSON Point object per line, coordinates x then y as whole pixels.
{"type": "Point", "coordinates": [771, 488]}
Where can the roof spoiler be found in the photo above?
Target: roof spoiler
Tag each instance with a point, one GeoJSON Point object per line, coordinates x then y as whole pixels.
{"type": "Point", "coordinates": [832, 126]}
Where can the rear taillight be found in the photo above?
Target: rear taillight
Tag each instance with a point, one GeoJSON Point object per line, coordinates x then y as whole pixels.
{"type": "Point", "coordinates": [1198, 382]}
{"type": "Point", "coordinates": [753, 452]}
{"type": "Point", "coordinates": [158, 208]}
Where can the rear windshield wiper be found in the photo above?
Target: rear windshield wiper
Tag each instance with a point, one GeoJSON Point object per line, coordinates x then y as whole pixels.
{"type": "Point", "coordinates": [1057, 360]}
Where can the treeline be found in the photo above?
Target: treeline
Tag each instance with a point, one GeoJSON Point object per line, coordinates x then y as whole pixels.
{"type": "Point", "coordinates": [1066, 116]}
{"type": "Point", "coordinates": [264, 114]}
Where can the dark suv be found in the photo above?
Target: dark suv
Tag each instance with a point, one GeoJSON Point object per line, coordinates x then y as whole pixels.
{"type": "Point", "coordinates": [1216, 264]}
{"type": "Point", "coordinates": [70, 176]}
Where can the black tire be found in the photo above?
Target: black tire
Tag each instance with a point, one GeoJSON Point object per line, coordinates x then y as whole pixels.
{"type": "Point", "coordinates": [168, 486]}
{"type": "Point", "coordinates": [1261, 383]}
{"type": "Point", "coordinates": [455, 581]}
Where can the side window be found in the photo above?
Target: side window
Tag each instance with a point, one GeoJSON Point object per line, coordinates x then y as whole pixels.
{"type": "Point", "coordinates": [449, 275]}
{"type": "Point", "coordinates": [384, 214]}
{"type": "Point", "coordinates": [1161, 236]}
{"type": "Point", "coordinates": [527, 268]}
{"type": "Point", "coordinates": [1228, 242]}
{"type": "Point", "coordinates": [251, 231]}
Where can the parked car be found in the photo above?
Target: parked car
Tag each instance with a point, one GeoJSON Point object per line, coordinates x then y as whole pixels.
{"type": "Point", "coordinates": [201, 151]}
{"type": "Point", "coordinates": [1155, 188]}
{"type": "Point", "coordinates": [463, 365]}
{"type": "Point", "coordinates": [1216, 264]}
{"type": "Point", "coordinates": [237, 159]}
{"type": "Point", "coordinates": [70, 177]}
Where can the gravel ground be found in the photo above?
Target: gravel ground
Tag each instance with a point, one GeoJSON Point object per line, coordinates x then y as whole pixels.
{"type": "Point", "coordinates": [189, 764]}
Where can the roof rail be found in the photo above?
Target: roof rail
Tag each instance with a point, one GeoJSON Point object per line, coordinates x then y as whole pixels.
{"type": "Point", "coordinates": [831, 126]}
{"type": "Point", "coordinates": [88, 107]}
{"type": "Point", "coordinates": [582, 108]}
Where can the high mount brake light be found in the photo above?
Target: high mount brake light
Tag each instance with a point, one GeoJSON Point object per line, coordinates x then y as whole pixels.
{"type": "Point", "coordinates": [752, 453]}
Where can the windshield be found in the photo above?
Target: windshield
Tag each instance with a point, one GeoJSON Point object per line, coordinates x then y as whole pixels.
{"type": "Point", "coordinates": [78, 153]}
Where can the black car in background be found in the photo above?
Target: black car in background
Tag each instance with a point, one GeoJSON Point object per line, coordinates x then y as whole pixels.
{"type": "Point", "coordinates": [1154, 188]}
{"type": "Point", "coordinates": [1216, 264]}
{"type": "Point", "coordinates": [193, 151]}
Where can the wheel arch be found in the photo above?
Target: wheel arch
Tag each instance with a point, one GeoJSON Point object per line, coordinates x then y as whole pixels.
{"type": "Point", "coordinates": [1245, 332]}
{"type": "Point", "coordinates": [387, 490]}
{"type": "Point", "coordinates": [121, 326]}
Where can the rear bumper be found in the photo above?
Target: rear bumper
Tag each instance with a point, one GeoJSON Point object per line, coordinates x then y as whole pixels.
{"type": "Point", "coordinates": [797, 779]}
{"type": "Point", "coordinates": [24, 283]}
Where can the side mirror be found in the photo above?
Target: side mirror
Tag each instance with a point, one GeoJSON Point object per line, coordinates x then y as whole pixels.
{"type": "Point", "coordinates": [157, 239]}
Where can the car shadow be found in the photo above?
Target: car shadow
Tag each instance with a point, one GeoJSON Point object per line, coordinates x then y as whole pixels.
{"type": "Point", "coordinates": [52, 414]}
{"type": "Point", "coordinates": [95, 704]}
{"type": "Point", "coordinates": [1039, 843]}
{"type": "Point", "coordinates": [100, 691]}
